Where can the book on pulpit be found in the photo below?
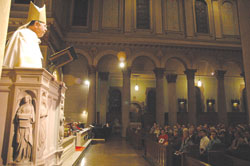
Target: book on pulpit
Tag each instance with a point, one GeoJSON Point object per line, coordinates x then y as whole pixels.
{"type": "Point", "coordinates": [63, 57]}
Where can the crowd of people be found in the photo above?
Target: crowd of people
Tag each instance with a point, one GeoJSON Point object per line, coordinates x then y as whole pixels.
{"type": "Point", "coordinates": [206, 137]}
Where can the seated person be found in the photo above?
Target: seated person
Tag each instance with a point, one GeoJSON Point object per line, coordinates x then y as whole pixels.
{"type": "Point", "coordinates": [163, 138]}
{"type": "Point", "coordinates": [203, 145]}
{"type": "Point", "coordinates": [185, 143]}
{"type": "Point", "coordinates": [204, 141]}
{"type": "Point", "coordinates": [213, 140]}
{"type": "Point", "coordinates": [238, 140]}
{"type": "Point", "coordinates": [153, 128]}
{"type": "Point", "coordinates": [176, 140]}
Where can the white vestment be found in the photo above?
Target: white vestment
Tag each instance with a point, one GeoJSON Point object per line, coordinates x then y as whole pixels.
{"type": "Point", "coordinates": [22, 50]}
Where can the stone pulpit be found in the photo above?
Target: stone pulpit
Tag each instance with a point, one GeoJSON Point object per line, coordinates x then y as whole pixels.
{"type": "Point", "coordinates": [31, 115]}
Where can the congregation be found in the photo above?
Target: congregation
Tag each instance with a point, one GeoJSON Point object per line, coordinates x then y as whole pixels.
{"type": "Point", "coordinates": [200, 140]}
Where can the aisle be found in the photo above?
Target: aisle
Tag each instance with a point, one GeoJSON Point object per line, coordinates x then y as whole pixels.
{"type": "Point", "coordinates": [114, 152]}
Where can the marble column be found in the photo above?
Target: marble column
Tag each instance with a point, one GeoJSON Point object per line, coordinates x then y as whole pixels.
{"type": "Point", "coordinates": [172, 102]}
{"type": "Point", "coordinates": [160, 117]}
{"type": "Point", "coordinates": [4, 19]}
{"type": "Point", "coordinates": [91, 104]}
{"type": "Point", "coordinates": [244, 15]}
{"type": "Point", "coordinates": [125, 100]}
{"type": "Point", "coordinates": [221, 97]}
{"type": "Point", "coordinates": [104, 76]}
{"type": "Point", "coordinates": [244, 93]}
{"type": "Point", "coordinates": [192, 118]}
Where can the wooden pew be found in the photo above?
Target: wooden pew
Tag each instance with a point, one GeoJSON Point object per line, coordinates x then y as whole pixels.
{"type": "Point", "coordinates": [221, 158]}
{"type": "Point", "coordinates": [217, 158]}
{"type": "Point", "coordinates": [158, 154]}
{"type": "Point", "coordinates": [135, 139]}
{"type": "Point", "coordinates": [190, 161]}
{"type": "Point", "coordinates": [236, 161]}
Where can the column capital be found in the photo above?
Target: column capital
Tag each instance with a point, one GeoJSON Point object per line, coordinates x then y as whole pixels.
{"type": "Point", "coordinates": [220, 74]}
{"type": "Point", "coordinates": [159, 72]}
{"type": "Point", "coordinates": [171, 78]}
{"type": "Point", "coordinates": [91, 69]}
{"type": "Point", "coordinates": [126, 72]}
{"type": "Point", "coordinates": [104, 76]}
{"type": "Point", "coordinates": [190, 73]}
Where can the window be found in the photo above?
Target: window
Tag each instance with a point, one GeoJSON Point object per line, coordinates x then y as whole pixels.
{"type": "Point", "coordinates": [201, 13]}
{"type": "Point", "coordinates": [80, 13]}
{"type": "Point", "coordinates": [142, 14]}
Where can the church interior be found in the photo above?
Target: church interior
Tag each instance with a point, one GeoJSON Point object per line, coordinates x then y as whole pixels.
{"type": "Point", "coordinates": [145, 74]}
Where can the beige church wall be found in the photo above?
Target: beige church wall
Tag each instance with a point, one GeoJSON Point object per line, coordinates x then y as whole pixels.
{"type": "Point", "coordinates": [74, 75]}
{"type": "Point", "coordinates": [233, 90]}
{"type": "Point", "coordinates": [76, 101]}
{"type": "Point", "coordinates": [110, 14]}
{"type": "Point", "coordinates": [61, 10]}
{"type": "Point", "coordinates": [181, 86]}
{"type": "Point", "coordinates": [76, 117]}
{"type": "Point", "coordinates": [115, 82]}
{"type": "Point", "coordinates": [172, 15]}
{"type": "Point", "coordinates": [141, 94]}
{"type": "Point", "coordinates": [208, 89]}
{"type": "Point", "coordinates": [217, 20]}
{"type": "Point", "coordinates": [229, 18]}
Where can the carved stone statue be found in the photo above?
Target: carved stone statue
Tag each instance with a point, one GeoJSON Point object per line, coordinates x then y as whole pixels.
{"type": "Point", "coordinates": [42, 129]}
{"type": "Point", "coordinates": [25, 116]}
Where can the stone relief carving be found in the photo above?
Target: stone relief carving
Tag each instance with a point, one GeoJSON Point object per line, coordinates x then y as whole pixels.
{"type": "Point", "coordinates": [61, 122]}
{"type": "Point", "coordinates": [42, 126]}
{"type": "Point", "coordinates": [23, 141]}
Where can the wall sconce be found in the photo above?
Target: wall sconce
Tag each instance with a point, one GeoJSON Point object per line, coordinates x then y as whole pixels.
{"type": "Point", "coordinates": [182, 105]}
{"type": "Point", "coordinates": [235, 104]}
{"type": "Point", "coordinates": [210, 105]}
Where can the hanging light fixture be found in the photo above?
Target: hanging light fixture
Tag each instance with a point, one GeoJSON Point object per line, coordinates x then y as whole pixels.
{"type": "Point", "coordinates": [199, 83]}
{"type": "Point", "coordinates": [122, 64]}
{"type": "Point", "coordinates": [86, 82]}
{"type": "Point", "coordinates": [136, 86]}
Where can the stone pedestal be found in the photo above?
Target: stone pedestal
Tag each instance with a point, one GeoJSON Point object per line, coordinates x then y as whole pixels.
{"type": "Point", "coordinates": [159, 72]}
{"type": "Point", "coordinates": [125, 100]}
{"type": "Point", "coordinates": [172, 102]}
{"type": "Point", "coordinates": [192, 118]}
{"type": "Point", "coordinates": [31, 100]}
{"type": "Point", "coordinates": [91, 105]}
{"type": "Point", "coordinates": [221, 97]}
